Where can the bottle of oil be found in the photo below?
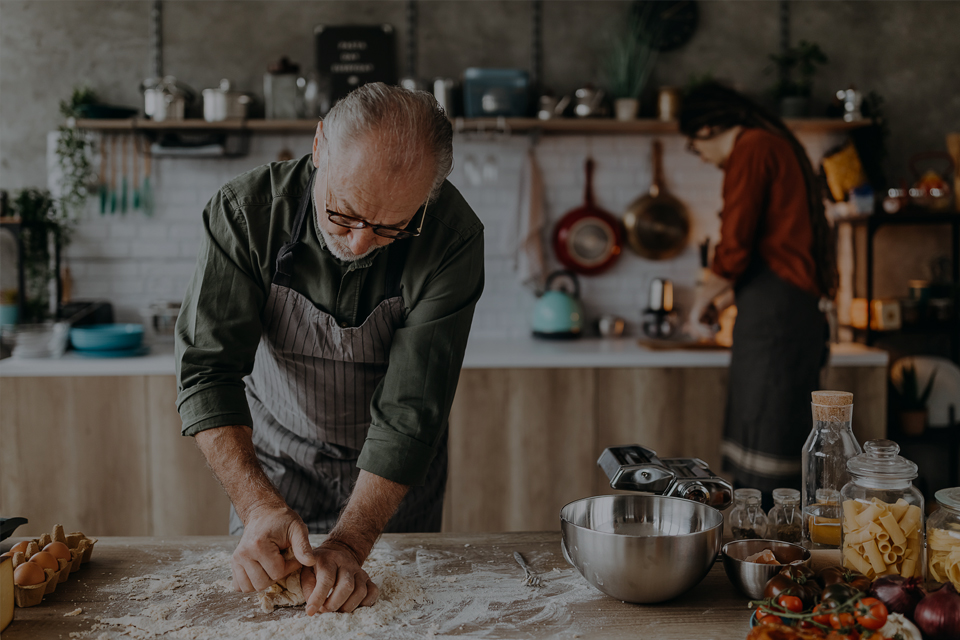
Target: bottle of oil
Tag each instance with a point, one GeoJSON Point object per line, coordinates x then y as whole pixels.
{"type": "Point", "coordinates": [828, 447]}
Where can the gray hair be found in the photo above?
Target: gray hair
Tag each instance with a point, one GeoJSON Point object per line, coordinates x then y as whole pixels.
{"type": "Point", "coordinates": [409, 125]}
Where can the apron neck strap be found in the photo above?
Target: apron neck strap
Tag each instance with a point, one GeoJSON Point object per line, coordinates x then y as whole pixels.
{"type": "Point", "coordinates": [285, 257]}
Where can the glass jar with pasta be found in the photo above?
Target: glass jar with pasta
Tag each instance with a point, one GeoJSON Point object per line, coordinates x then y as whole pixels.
{"type": "Point", "coordinates": [943, 539]}
{"type": "Point", "coordinates": [882, 532]}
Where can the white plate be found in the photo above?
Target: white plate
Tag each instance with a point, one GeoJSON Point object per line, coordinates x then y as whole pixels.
{"type": "Point", "coordinates": [946, 387]}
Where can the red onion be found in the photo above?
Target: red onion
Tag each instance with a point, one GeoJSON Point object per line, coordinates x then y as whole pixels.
{"type": "Point", "coordinates": [901, 595]}
{"type": "Point", "coordinates": [938, 614]}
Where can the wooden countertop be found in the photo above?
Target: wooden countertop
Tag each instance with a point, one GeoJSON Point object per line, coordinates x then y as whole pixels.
{"type": "Point", "coordinates": [456, 571]}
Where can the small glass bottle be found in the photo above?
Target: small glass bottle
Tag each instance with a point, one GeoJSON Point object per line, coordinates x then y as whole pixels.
{"type": "Point", "coordinates": [829, 446]}
{"type": "Point", "coordinates": [747, 520]}
{"type": "Point", "coordinates": [943, 539]}
{"type": "Point", "coordinates": [882, 514]}
{"type": "Point", "coordinates": [785, 519]}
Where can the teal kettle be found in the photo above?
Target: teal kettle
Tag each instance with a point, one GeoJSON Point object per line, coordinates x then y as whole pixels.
{"type": "Point", "coordinates": [558, 314]}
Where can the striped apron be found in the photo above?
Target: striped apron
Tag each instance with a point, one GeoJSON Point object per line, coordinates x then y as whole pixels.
{"type": "Point", "coordinates": [779, 346]}
{"type": "Point", "coordinates": [310, 392]}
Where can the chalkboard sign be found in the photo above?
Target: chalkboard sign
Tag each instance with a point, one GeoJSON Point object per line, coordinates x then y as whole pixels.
{"type": "Point", "coordinates": [350, 56]}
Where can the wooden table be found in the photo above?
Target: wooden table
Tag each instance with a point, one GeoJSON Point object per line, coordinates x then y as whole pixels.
{"type": "Point", "coordinates": [474, 564]}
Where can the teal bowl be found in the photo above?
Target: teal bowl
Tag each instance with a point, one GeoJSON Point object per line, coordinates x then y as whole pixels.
{"type": "Point", "coordinates": [106, 337]}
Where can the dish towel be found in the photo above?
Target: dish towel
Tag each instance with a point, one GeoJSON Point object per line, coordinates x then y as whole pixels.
{"type": "Point", "coordinates": [531, 262]}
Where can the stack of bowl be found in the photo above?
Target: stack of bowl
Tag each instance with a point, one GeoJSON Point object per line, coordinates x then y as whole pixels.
{"type": "Point", "coordinates": [109, 340]}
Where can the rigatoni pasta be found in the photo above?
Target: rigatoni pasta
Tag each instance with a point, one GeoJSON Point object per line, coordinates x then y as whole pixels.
{"type": "Point", "coordinates": [884, 539]}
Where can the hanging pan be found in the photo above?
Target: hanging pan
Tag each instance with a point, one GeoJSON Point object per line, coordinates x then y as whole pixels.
{"type": "Point", "coordinates": [657, 223]}
{"type": "Point", "coordinates": [587, 240]}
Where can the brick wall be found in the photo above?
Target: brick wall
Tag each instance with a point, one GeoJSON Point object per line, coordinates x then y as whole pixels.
{"type": "Point", "coordinates": [133, 260]}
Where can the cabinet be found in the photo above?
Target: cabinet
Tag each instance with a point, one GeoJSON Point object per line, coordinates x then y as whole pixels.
{"type": "Point", "coordinates": [104, 455]}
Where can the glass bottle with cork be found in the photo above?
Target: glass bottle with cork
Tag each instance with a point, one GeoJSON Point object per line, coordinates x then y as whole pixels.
{"type": "Point", "coordinates": [747, 520]}
{"type": "Point", "coordinates": [829, 446]}
{"type": "Point", "coordinates": [882, 514]}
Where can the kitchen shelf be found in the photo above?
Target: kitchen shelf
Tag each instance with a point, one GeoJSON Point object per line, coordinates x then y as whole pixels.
{"type": "Point", "coordinates": [507, 125]}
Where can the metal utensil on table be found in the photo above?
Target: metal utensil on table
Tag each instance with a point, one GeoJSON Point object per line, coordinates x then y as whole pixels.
{"type": "Point", "coordinates": [530, 579]}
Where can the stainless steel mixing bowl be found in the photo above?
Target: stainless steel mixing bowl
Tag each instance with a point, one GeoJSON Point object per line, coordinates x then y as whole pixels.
{"type": "Point", "coordinates": [641, 548]}
{"type": "Point", "coordinates": [751, 577]}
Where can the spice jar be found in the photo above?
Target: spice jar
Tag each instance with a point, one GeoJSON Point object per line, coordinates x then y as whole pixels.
{"type": "Point", "coordinates": [829, 446]}
{"type": "Point", "coordinates": [943, 539]}
{"type": "Point", "coordinates": [882, 514]}
{"type": "Point", "coordinates": [784, 520]}
{"type": "Point", "coordinates": [747, 520]}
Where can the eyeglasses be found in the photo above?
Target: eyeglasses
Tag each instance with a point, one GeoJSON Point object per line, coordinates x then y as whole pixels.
{"type": "Point", "coordinates": [352, 222]}
{"type": "Point", "coordinates": [691, 148]}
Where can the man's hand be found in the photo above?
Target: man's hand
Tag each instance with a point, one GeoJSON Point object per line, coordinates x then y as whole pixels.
{"type": "Point", "coordinates": [710, 315]}
{"type": "Point", "coordinates": [343, 585]}
{"type": "Point", "coordinates": [257, 562]}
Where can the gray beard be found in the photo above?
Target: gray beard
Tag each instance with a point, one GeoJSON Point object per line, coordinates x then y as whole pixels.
{"type": "Point", "coordinates": [339, 248]}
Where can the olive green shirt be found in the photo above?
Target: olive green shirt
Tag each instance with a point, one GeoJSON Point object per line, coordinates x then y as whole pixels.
{"type": "Point", "coordinates": [221, 321]}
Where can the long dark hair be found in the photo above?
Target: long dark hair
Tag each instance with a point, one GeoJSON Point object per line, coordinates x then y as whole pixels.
{"type": "Point", "coordinates": [718, 107]}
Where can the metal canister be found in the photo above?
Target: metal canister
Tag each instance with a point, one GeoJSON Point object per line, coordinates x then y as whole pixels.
{"type": "Point", "coordinates": [668, 104]}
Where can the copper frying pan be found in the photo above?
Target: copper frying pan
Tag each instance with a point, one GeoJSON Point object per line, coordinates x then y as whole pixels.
{"type": "Point", "coordinates": [657, 223]}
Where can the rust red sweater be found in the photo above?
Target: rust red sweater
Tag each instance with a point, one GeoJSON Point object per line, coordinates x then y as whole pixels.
{"type": "Point", "coordinates": [765, 212]}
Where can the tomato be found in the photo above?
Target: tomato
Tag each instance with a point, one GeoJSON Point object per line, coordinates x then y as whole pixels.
{"type": "Point", "coordinates": [839, 575]}
{"type": "Point", "coordinates": [794, 580]}
{"type": "Point", "coordinates": [790, 603]}
{"type": "Point", "coordinates": [840, 635]}
{"type": "Point", "coordinates": [842, 620]}
{"type": "Point", "coordinates": [769, 619]}
{"type": "Point", "coordinates": [837, 594]}
{"type": "Point", "coordinates": [871, 613]}
{"type": "Point", "coordinates": [821, 618]}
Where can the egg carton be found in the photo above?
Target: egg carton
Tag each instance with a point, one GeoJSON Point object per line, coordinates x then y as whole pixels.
{"type": "Point", "coordinates": [81, 550]}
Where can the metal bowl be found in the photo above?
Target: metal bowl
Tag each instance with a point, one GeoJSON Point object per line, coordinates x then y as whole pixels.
{"type": "Point", "coordinates": [751, 577]}
{"type": "Point", "coordinates": [641, 548]}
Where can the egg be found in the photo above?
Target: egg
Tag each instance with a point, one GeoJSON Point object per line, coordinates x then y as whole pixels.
{"type": "Point", "coordinates": [45, 560]}
{"type": "Point", "coordinates": [20, 546]}
{"type": "Point", "coordinates": [28, 574]}
{"type": "Point", "coordinates": [58, 550]}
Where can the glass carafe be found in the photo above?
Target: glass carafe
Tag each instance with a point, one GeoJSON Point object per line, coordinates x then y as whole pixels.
{"type": "Point", "coordinates": [747, 520]}
{"type": "Point", "coordinates": [829, 446]}
{"type": "Point", "coordinates": [785, 520]}
{"type": "Point", "coordinates": [882, 514]}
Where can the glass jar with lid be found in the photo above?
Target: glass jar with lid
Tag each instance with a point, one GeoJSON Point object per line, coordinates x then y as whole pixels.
{"type": "Point", "coordinates": [829, 446]}
{"type": "Point", "coordinates": [943, 539]}
{"type": "Point", "coordinates": [882, 514]}
{"type": "Point", "coordinates": [784, 520]}
{"type": "Point", "coordinates": [747, 520]}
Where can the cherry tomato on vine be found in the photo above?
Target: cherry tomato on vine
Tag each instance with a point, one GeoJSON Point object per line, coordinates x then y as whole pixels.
{"type": "Point", "coordinates": [842, 620]}
{"type": "Point", "coordinates": [871, 613]}
{"type": "Point", "coordinates": [839, 635]}
{"type": "Point", "coordinates": [821, 615]}
{"type": "Point", "coordinates": [790, 603]}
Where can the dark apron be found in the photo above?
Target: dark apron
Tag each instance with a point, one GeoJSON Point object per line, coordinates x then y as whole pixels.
{"type": "Point", "coordinates": [779, 347]}
{"type": "Point", "coordinates": [310, 392]}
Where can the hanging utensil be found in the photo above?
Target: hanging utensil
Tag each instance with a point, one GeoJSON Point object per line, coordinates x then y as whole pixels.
{"type": "Point", "coordinates": [657, 223]}
{"type": "Point", "coordinates": [146, 191]}
{"type": "Point", "coordinates": [587, 240]}
{"type": "Point", "coordinates": [102, 187]}
{"type": "Point", "coordinates": [136, 172]}
{"type": "Point", "coordinates": [123, 173]}
{"type": "Point", "coordinates": [113, 174]}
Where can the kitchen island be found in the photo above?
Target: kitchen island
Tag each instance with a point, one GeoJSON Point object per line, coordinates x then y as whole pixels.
{"type": "Point", "coordinates": [528, 423]}
{"type": "Point", "coordinates": [466, 585]}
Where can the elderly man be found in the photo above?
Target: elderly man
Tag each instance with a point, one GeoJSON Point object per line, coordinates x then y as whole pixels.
{"type": "Point", "coordinates": [321, 338]}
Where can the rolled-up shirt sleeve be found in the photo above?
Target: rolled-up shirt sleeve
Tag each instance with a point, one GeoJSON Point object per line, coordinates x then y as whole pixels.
{"type": "Point", "coordinates": [745, 196]}
{"type": "Point", "coordinates": [410, 406]}
{"type": "Point", "coordinates": [219, 325]}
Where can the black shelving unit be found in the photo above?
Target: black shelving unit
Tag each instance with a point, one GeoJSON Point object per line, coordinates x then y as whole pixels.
{"type": "Point", "coordinates": [925, 218]}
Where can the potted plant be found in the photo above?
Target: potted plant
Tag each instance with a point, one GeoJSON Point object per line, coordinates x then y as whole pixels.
{"type": "Point", "coordinates": [796, 68]}
{"type": "Point", "coordinates": [629, 63]}
{"type": "Point", "coordinates": [913, 402]}
{"type": "Point", "coordinates": [74, 149]}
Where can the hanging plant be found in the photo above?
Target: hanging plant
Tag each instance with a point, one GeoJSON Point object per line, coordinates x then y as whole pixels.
{"type": "Point", "coordinates": [74, 147]}
{"type": "Point", "coordinates": [44, 228]}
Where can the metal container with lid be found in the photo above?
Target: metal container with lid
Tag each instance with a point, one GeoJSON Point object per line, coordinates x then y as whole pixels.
{"type": "Point", "coordinates": [829, 446]}
{"type": "Point", "coordinates": [222, 103]}
{"type": "Point", "coordinates": [882, 531]}
{"type": "Point", "coordinates": [943, 539]}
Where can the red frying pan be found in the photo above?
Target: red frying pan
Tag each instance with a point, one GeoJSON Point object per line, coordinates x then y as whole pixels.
{"type": "Point", "coordinates": [588, 240]}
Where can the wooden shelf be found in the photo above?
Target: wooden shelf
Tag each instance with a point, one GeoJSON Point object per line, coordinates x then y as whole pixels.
{"type": "Point", "coordinates": [508, 125]}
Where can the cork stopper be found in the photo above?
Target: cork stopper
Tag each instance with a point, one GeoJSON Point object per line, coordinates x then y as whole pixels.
{"type": "Point", "coordinates": [832, 406]}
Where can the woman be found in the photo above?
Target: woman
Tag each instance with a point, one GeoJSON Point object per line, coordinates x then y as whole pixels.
{"type": "Point", "coordinates": [776, 257]}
